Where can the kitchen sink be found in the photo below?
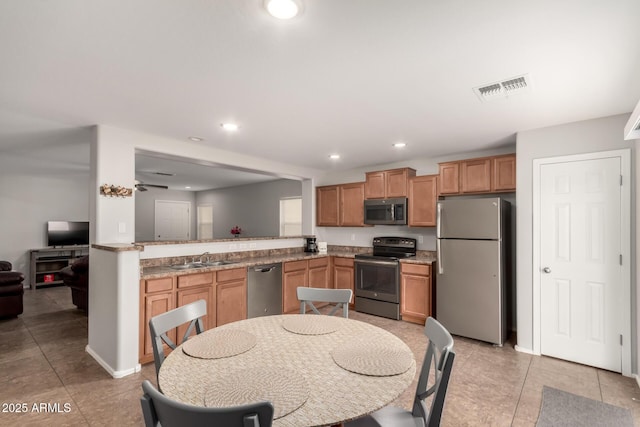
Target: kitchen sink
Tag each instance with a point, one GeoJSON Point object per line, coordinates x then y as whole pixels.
{"type": "Point", "coordinates": [214, 263]}
{"type": "Point", "coordinates": [200, 264]}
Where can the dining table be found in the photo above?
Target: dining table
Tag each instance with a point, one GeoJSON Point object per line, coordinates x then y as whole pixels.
{"type": "Point", "coordinates": [316, 370]}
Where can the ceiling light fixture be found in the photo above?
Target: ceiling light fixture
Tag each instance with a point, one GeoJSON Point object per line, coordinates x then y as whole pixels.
{"type": "Point", "coordinates": [196, 138]}
{"type": "Point", "coordinates": [187, 187]}
{"type": "Point", "coordinates": [230, 127]}
{"type": "Point", "coordinates": [282, 9]}
{"type": "Point", "coordinates": [334, 156]}
{"type": "Point", "coordinates": [400, 144]}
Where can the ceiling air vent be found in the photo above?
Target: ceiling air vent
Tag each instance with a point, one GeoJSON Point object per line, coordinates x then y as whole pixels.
{"type": "Point", "coordinates": [504, 89]}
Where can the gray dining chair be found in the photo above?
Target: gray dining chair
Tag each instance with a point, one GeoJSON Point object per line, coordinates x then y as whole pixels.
{"type": "Point", "coordinates": [439, 360]}
{"type": "Point", "coordinates": [162, 323]}
{"type": "Point", "coordinates": [160, 411]}
{"type": "Point", "coordinates": [339, 297]}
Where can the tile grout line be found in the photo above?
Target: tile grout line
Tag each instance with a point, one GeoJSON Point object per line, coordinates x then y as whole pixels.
{"type": "Point", "coordinates": [521, 391]}
{"type": "Point", "coordinates": [53, 368]}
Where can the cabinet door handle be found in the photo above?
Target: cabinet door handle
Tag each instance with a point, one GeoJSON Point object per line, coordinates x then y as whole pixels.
{"type": "Point", "coordinates": [546, 270]}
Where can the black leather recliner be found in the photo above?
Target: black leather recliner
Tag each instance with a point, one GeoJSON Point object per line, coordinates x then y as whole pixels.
{"type": "Point", "coordinates": [11, 291]}
{"type": "Point", "coordinates": [76, 276]}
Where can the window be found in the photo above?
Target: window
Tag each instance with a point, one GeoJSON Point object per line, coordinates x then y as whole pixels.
{"type": "Point", "coordinates": [205, 221]}
{"type": "Point", "coordinates": [291, 216]}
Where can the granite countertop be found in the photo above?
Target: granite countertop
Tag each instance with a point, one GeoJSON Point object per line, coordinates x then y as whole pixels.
{"type": "Point", "coordinates": [155, 272]}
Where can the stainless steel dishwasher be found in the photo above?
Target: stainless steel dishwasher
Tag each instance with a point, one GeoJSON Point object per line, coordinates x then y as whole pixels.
{"type": "Point", "coordinates": [264, 290]}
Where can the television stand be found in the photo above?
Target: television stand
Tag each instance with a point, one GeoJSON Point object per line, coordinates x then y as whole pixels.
{"type": "Point", "coordinates": [46, 264]}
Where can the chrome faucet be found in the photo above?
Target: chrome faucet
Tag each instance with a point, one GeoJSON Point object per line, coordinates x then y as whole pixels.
{"type": "Point", "coordinates": [202, 256]}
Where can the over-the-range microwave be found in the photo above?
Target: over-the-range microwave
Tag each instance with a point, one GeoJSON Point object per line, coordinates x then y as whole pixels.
{"type": "Point", "coordinates": [386, 211]}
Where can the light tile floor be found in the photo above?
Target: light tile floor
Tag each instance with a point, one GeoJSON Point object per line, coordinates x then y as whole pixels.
{"type": "Point", "coordinates": [42, 361]}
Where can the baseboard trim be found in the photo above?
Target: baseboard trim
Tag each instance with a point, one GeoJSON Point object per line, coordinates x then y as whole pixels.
{"type": "Point", "coordinates": [109, 369]}
{"type": "Point", "coordinates": [524, 350]}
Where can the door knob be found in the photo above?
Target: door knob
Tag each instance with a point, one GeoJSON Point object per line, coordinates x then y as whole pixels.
{"type": "Point", "coordinates": [546, 270]}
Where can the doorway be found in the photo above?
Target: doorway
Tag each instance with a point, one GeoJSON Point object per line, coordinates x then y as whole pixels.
{"type": "Point", "coordinates": [582, 264]}
{"type": "Point", "coordinates": [172, 220]}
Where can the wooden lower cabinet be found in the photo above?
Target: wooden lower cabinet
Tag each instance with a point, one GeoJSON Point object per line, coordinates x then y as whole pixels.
{"type": "Point", "coordinates": [187, 296]}
{"type": "Point", "coordinates": [415, 292]}
{"type": "Point", "coordinates": [294, 274]}
{"type": "Point", "coordinates": [319, 274]}
{"type": "Point", "coordinates": [231, 295]}
{"type": "Point", "coordinates": [343, 274]}
{"type": "Point", "coordinates": [225, 292]}
{"type": "Point", "coordinates": [153, 305]}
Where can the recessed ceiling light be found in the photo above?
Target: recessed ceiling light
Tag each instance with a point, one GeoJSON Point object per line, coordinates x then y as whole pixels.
{"type": "Point", "coordinates": [230, 127]}
{"type": "Point", "coordinates": [187, 187]}
{"type": "Point", "coordinates": [196, 138]}
{"type": "Point", "coordinates": [334, 156]}
{"type": "Point", "coordinates": [282, 9]}
{"type": "Point", "coordinates": [400, 144]}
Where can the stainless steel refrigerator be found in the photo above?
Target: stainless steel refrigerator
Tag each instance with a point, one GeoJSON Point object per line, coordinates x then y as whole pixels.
{"type": "Point", "coordinates": [472, 267]}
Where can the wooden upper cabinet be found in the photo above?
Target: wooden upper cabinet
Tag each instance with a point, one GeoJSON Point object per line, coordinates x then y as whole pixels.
{"type": "Point", "coordinates": [423, 195]}
{"type": "Point", "coordinates": [351, 211]}
{"type": "Point", "coordinates": [449, 178]}
{"type": "Point", "coordinates": [504, 173]}
{"type": "Point", "coordinates": [340, 205]}
{"type": "Point", "coordinates": [388, 183]}
{"type": "Point", "coordinates": [480, 175]}
{"type": "Point", "coordinates": [328, 203]}
{"type": "Point", "coordinates": [475, 175]}
{"type": "Point", "coordinates": [374, 185]}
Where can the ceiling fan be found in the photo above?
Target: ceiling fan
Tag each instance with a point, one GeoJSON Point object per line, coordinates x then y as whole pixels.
{"type": "Point", "coordinates": [141, 186]}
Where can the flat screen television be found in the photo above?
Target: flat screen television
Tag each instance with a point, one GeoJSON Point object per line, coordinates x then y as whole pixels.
{"type": "Point", "coordinates": [67, 233]}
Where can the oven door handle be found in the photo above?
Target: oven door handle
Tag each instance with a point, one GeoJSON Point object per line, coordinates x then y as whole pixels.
{"type": "Point", "coordinates": [375, 262]}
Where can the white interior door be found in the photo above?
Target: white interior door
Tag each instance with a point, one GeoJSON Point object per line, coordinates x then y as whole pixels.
{"type": "Point", "coordinates": [581, 277]}
{"type": "Point", "coordinates": [172, 220]}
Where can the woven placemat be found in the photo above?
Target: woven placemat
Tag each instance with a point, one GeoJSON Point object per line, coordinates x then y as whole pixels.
{"type": "Point", "coordinates": [215, 344]}
{"type": "Point", "coordinates": [285, 388]}
{"type": "Point", "coordinates": [371, 358]}
{"type": "Point", "coordinates": [311, 324]}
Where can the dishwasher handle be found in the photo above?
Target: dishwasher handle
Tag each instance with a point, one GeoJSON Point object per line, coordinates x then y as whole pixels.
{"type": "Point", "coordinates": [266, 269]}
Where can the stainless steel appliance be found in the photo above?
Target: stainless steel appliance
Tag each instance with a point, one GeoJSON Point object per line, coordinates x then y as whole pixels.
{"type": "Point", "coordinates": [377, 276]}
{"type": "Point", "coordinates": [386, 211]}
{"type": "Point", "coordinates": [310, 244]}
{"type": "Point", "coordinates": [264, 290]}
{"type": "Point", "coordinates": [471, 277]}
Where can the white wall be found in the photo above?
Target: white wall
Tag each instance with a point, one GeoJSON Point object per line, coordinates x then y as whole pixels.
{"type": "Point", "coordinates": [580, 137]}
{"type": "Point", "coordinates": [255, 208]}
{"type": "Point", "coordinates": [145, 202]}
{"type": "Point", "coordinates": [113, 163]}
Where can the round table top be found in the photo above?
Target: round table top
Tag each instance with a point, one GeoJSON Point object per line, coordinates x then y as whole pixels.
{"type": "Point", "coordinates": [328, 393]}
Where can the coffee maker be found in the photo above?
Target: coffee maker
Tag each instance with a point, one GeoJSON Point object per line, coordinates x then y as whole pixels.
{"type": "Point", "coordinates": [311, 245]}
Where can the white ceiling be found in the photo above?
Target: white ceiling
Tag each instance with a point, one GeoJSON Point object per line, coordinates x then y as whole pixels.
{"type": "Point", "coordinates": [348, 77]}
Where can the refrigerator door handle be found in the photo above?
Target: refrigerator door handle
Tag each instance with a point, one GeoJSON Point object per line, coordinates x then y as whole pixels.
{"type": "Point", "coordinates": [438, 220]}
{"type": "Point", "coordinates": [439, 257]}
